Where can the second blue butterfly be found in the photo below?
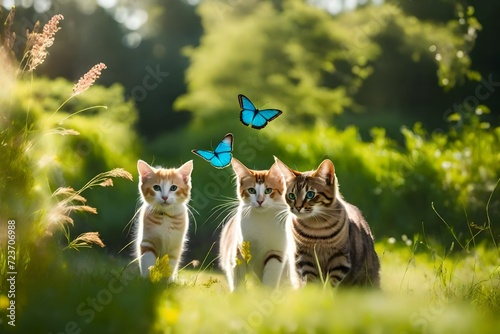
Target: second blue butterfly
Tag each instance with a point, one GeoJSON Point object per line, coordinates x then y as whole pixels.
{"type": "Point", "coordinates": [221, 156]}
{"type": "Point", "coordinates": [254, 117]}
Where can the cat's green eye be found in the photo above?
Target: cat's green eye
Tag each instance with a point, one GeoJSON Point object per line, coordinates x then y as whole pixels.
{"type": "Point", "coordinates": [310, 194]}
{"type": "Point", "coordinates": [251, 191]}
{"type": "Point", "coordinates": [156, 187]}
{"type": "Point", "coordinates": [268, 191]}
{"type": "Point", "coordinates": [291, 196]}
{"type": "Point", "coordinates": [173, 187]}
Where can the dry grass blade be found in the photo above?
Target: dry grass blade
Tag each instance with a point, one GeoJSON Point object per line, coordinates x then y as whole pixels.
{"type": "Point", "coordinates": [31, 37]}
{"type": "Point", "coordinates": [63, 191]}
{"type": "Point", "coordinates": [120, 172]}
{"type": "Point", "coordinates": [9, 37]}
{"type": "Point", "coordinates": [63, 132]}
{"type": "Point", "coordinates": [106, 183]}
{"type": "Point", "coordinates": [71, 195]}
{"type": "Point", "coordinates": [7, 55]}
{"type": "Point", "coordinates": [87, 240]}
{"type": "Point", "coordinates": [68, 200]}
{"type": "Point", "coordinates": [60, 218]}
{"type": "Point", "coordinates": [59, 214]}
{"type": "Point", "coordinates": [81, 208]}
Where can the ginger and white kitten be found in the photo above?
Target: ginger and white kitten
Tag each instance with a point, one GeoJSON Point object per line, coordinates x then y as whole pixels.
{"type": "Point", "coordinates": [260, 221]}
{"type": "Point", "coordinates": [163, 217]}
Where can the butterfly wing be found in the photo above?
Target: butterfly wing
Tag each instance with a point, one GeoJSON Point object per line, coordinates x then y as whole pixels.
{"type": "Point", "coordinates": [245, 103]}
{"type": "Point", "coordinates": [221, 160]}
{"type": "Point", "coordinates": [264, 116]}
{"type": "Point", "coordinates": [221, 156]}
{"type": "Point", "coordinates": [223, 153]}
{"type": "Point", "coordinates": [250, 115]}
{"type": "Point", "coordinates": [207, 155]}
{"type": "Point", "coordinates": [248, 110]}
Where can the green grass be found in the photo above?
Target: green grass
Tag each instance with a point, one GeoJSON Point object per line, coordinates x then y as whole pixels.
{"type": "Point", "coordinates": [422, 292]}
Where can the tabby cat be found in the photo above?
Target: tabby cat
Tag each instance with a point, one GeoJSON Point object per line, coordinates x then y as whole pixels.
{"type": "Point", "coordinates": [163, 217]}
{"type": "Point", "coordinates": [259, 222]}
{"type": "Point", "coordinates": [332, 237]}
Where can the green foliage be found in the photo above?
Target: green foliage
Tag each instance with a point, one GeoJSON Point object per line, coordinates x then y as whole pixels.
{"type": "Point", "coordinates": [288, 74]}
{"type": "Point", "coordinates": [300, 56]}
{"type": "Point", "coordinates": [448, 43]}
{"type": "Point", "coordinates": [313, 73]}
{"type": "Point", "coordinates": [40, 120]}
{"type": "Point", "coordinates": [46, 150]}
{"type": "Point", "coordinates": [395, 187]}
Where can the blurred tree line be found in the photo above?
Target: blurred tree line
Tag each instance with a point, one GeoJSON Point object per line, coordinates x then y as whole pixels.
{"type": "Point", "coordinates": [380, 68]}
{"type": "Point", "coordinates": [404, 62]}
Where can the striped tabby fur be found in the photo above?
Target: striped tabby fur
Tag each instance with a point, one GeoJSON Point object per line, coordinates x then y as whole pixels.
{"type": "Point", "coordinates": [260, 221]}
{"type": "Point", "coordinates": [332, 237]}
{"type": "Point", "coordinates": [163, 217]}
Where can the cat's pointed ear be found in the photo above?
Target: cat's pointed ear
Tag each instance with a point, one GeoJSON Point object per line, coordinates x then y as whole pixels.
{"type": "Point", "coordinates": [286, 171]}
{"type": "Point", "coordinates": [186, 170]}
{"type": "Point", "coordinates": [240, 169]}
{"type": "Point", "coordinates": [325, 171]}
{"type": "Point", "coordinates": [275, 172]}
{"type": "Point", "coordinates": [145, 170]}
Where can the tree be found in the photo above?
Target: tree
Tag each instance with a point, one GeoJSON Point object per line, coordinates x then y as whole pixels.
{"type": "Point", "coordinates": [310, 62]}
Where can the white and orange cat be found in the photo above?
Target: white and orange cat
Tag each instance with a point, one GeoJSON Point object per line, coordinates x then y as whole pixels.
{"type": "Point", "coordinates": [260, 221]}
{"type": "Point", "coordinates": [163, 217]}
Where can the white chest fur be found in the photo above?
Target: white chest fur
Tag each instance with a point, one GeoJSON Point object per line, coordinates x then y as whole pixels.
{"type": "Point", "coordinates": [265, 232]}
{"type": "Point", "coordinates": [159, 235]}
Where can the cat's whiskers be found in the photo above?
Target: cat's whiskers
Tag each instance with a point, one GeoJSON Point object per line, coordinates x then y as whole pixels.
{"type": "Point", "coordinates": [245, 210]}
{"type": "Point", "coordinates": [219, 209]}
{"type": "Point", "coordinates": [230, 205]}
{"type": "Point", "coordinates": [282, 216]}
{"type": "Point", "coordinates": [190, 210]}
{"type": "Point", "coordinates": [132, 220]}
{"type": "Point", "coordinates": [131, 242]}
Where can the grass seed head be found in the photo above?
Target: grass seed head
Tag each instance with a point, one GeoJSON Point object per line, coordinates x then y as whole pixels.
{"type": "Point", "coordinates": [88, 79]}
{"type": "Point", "coordinates": [40, 42]}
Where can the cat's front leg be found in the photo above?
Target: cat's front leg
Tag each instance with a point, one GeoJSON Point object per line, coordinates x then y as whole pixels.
{"type": "Point", "coordinates": [147, 259]}
{"type": "Point", "coordinates": [173, 263]}
{"type": "Point", "coordinates": [340, 266]}
{"type": "Point", "coordinates": [273, 269]}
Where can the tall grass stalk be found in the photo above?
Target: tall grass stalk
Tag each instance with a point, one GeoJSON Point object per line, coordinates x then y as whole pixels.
{"type": "Point", "coordinates": [24, 145]}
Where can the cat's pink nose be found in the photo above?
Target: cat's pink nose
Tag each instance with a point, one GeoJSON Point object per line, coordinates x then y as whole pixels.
{"type": "Point", "coordinates": [164, 198]}
{"type": "Point", "coordinates": [260, 202]}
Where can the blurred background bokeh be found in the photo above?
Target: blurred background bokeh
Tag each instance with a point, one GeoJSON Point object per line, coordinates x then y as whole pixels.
{"type": "Point", "coordinates": [403, 97]}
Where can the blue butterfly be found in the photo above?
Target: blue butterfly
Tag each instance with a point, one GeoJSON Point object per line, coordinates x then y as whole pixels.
{"type": "Point", "coordinates": [250, 115]}
{"type": "Point", "coordinates": [221, 156]}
